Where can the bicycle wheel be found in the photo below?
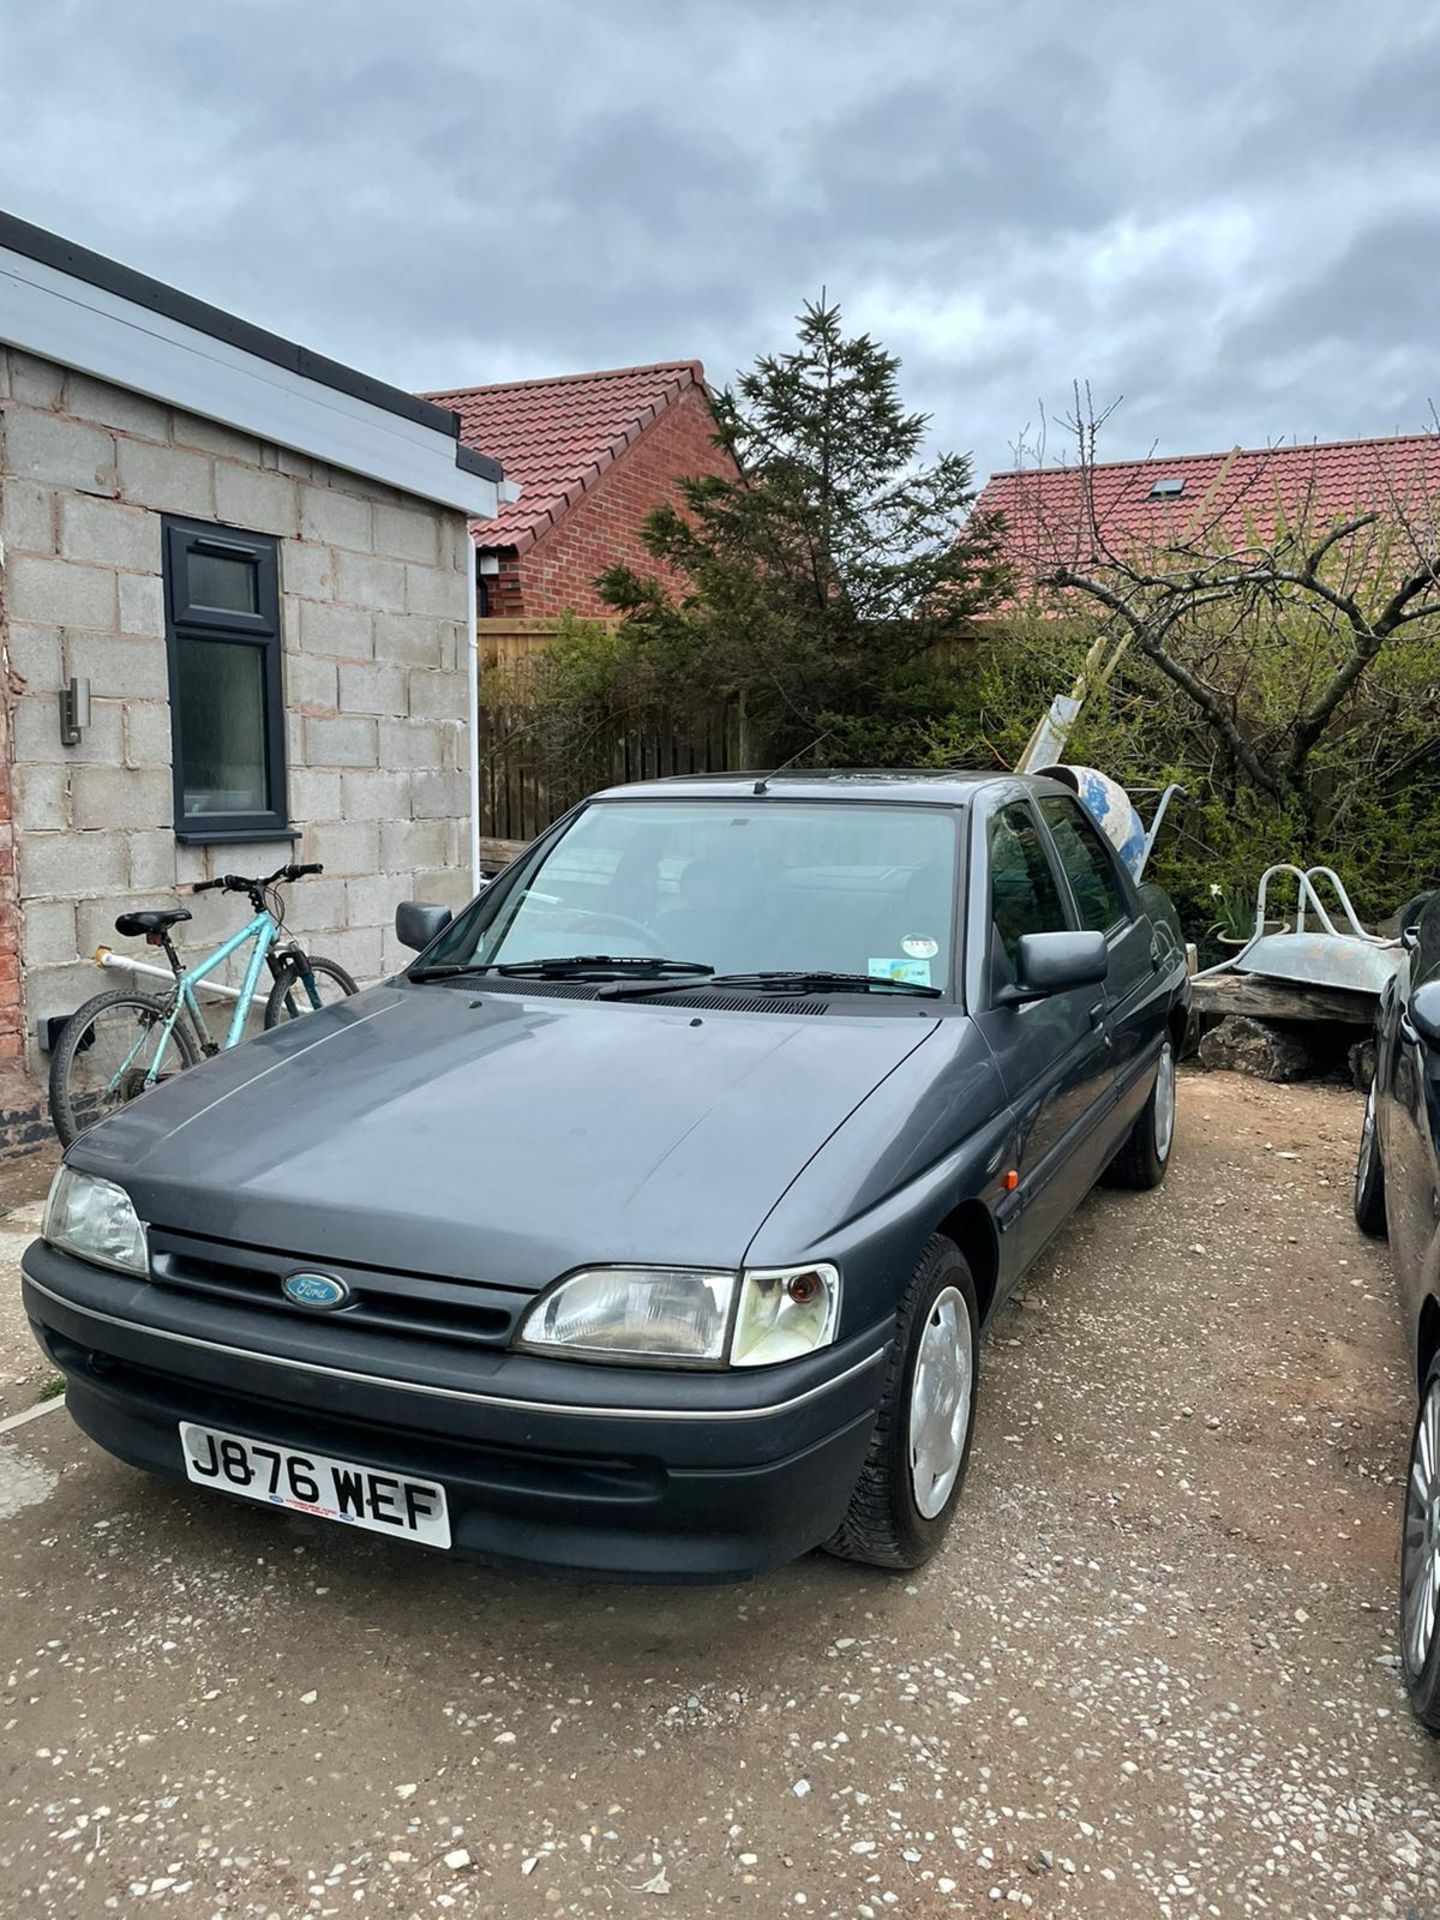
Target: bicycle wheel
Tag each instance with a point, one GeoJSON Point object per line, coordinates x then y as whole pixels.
{"type": "Point", "coordinates": [305, 986]}
{"type": "Point", "coordinates": [106, 1050]}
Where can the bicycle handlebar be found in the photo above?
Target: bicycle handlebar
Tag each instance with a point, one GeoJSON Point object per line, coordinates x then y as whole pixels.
{"type": "Point", "coordinates": [237, 883]}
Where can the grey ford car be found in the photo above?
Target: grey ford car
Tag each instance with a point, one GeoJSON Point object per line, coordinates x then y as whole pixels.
{"type": "Point", "coordinates": [645, 1226]}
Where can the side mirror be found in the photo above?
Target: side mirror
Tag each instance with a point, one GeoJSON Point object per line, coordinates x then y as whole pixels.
{"type": "Point", "coordinates": [1053, 962]}
{"type": "Point", "coordinates": [1424, 1012]}
{"type": "Point", "coordinates": [417, 923]}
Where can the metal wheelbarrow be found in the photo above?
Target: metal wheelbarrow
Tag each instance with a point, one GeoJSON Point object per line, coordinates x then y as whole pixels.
{"type": "Point", "coordinates": [1346, 957]}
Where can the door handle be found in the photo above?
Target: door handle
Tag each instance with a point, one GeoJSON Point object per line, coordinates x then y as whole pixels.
{"type": "Point", "coordinates": [1097, 1013]}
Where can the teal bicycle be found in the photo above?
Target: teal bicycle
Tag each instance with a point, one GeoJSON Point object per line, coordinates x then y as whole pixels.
{"type": "Point", "coordinates": [120, 1044]}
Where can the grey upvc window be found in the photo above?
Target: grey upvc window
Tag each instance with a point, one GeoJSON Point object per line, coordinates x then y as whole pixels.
{"type": "Point", "coordinates": [227, 699]}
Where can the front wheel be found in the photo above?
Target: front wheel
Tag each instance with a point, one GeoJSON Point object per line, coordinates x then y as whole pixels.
{"type": "Point", "coordinates": [107, 1053]}
{"type": "Point", "coordinates": [1420, 1561]}
{"type": "Point", "coordinates": [1369, 1175]}
{"type": "Point", "coordinates": [1143, 1159]}
{"type": "Point", "coordinates": [304, 984]}
{"type": "Point", "coordinates": [912, 1476]}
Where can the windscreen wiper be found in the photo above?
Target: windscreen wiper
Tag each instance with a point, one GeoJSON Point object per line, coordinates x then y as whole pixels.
{"type": "Point", "coordinates": [797, 981]}
{"type": "Point", "coordinates": [581, 965]}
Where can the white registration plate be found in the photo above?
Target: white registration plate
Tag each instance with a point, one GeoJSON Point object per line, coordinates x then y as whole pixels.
{"type": "Point", "coordinates": [389, 1503]}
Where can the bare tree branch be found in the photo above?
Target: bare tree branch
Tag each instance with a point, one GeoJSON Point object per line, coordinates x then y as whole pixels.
{"type": "Point", "coordinates": [1148, 636]}
{"type": "Point", "coordinates": [1261, 542]}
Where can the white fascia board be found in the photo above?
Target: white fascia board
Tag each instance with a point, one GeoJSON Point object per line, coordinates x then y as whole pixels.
{"type": "Point", "coordinates": [58, 317]}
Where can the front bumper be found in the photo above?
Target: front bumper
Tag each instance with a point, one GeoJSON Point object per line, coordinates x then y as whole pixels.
{"type": "Point", "coordinates": [555, 1466]}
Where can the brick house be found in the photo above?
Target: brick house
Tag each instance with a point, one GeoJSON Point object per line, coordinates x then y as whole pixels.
{"type": "Point", "coordinates": [593, 454]}
{"type": "Point", "coordinates": [1052, 514]}
{"type": "Point", "coordinates": [250, 570]}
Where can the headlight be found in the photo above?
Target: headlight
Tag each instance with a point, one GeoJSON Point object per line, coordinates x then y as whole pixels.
{"type": "Point", "coordinates": [635, 1313]}
{"type": "Point", "coordinates": [95, 1220]}
{"type": "Point", "coordinates": [686, 1316]}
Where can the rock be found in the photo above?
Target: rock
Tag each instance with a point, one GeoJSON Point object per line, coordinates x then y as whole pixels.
{"type": "Point", "coordinates": [1361, 1061]}
{"type": "Point", "coordinates": [1262, 1048]}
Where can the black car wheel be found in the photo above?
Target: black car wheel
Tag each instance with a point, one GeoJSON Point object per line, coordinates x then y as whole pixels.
{"type": "Point", "coordinates": [1420, 1560]}
{"type": "Point", "coordinates": [1143, 1159]}
{"type": "Point", "coordinates": [1369, 1174]}
{"type": "Point", "coordinates": [913, 1473]}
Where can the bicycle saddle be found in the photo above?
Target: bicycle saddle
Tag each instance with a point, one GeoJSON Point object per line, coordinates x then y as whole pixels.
{"type": "Point", "coordinates": [153, 920]}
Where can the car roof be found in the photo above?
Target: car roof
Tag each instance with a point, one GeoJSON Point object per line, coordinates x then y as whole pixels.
{"type": "Point", "coordinates": [930, 786]}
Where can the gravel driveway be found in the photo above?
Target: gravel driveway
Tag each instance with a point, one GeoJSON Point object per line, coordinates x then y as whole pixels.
{"type": "Point", "coordinates": [1151, 1674]}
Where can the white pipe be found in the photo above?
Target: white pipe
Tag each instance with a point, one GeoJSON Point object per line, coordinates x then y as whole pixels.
{"type": "Point", "coordinates": [472, 694]}
{"type": "Point", "coordinates": [126, 963]}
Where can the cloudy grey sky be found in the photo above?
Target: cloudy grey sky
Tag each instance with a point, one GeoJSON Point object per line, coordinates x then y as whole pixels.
{"type": "Point", "coordinates": [1230, 215]}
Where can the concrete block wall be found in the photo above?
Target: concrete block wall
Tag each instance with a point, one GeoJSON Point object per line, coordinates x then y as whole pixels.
{"type": "Point", "coordinates": [603, 528]}
{"type": "Point", "coordinates": [373, 591]}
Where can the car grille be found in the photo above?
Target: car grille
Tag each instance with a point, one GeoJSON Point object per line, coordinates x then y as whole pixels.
{"type": "Point", "coordinates": [381, 1300]}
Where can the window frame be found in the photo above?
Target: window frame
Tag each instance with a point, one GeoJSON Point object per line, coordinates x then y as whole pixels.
{"type": "Point", "coordinates": [187, 621]}
{"type": "Point", "coordinates": [484, 908]}
{"type": "Point", "coordinates": [1087, 823]}
{"type": "Point", "coordinates": [994, 815]}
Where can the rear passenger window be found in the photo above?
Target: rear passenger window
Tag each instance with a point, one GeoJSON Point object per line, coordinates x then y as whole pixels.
{"type": "Point", "coordinates": [1023, 895]}
{"type": "Point", "coordinates": [1099, 897]}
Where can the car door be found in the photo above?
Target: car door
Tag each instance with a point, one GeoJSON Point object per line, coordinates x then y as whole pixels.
{"type": "Point", "coordinates": [1105, 902]}
{"type": "Point", "coordinates": [1408, 1110]}
{"type": "Point", "coordinates": [1053, 1053]}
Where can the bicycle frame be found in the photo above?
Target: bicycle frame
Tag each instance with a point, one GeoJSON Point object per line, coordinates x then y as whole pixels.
{"type": "Point", "coordinates": [263, 930]}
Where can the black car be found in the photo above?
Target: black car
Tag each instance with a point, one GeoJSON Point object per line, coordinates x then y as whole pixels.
{"type": "Point", "coordinates": [1397, 1192]}
{"type": "Point", "coordinates": [645, 1226]}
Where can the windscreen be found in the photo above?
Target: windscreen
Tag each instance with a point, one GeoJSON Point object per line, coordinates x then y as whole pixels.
{"type": "Point", "coordinates": [737, 886]}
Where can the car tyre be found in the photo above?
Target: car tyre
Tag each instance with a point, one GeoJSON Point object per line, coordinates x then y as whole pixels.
{"type": "Point", "coordinates": [1144, 1159]}
{"type": "Point", "coordinates": [1420, 1560]}
{"type": "Point", "coordinates": [910, 1483]}
{"type": "Point", "coordinates": [1370, 1175]}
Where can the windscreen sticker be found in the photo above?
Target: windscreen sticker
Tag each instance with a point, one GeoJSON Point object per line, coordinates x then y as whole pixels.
{"type": "Point", "coordinates": [920, 946]}
{"type": "Point", "coordinates": [915, 972]}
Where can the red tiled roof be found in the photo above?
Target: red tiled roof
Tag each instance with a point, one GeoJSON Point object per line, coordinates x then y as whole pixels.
{"type": "Point", "coordinates": [556, 437]}
{"type": "Point", "coordinates": [1229, 497]}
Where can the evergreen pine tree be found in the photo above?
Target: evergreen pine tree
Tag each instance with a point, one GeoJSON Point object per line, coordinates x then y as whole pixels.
{"type": "Point", "coordinates": [830, 564]}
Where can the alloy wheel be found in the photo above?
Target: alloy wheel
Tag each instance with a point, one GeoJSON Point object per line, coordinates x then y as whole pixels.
{"type": "Point", "coordinates": [1420, 1551]}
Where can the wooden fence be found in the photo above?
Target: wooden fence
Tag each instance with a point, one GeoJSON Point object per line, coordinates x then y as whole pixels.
{"type": "Point", "coordinates": [520, 794]}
